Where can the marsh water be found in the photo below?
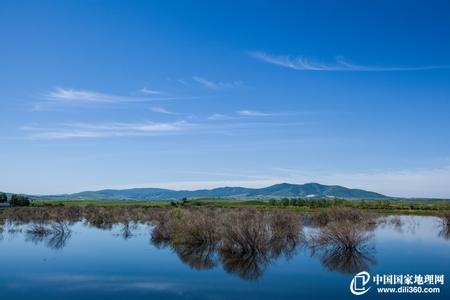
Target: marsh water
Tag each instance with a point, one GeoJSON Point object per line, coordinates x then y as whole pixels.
{"type": "Point", "coordinates": [132, 260]}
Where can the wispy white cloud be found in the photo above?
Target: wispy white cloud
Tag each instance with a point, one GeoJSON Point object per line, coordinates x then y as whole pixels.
{"type": "Point", "coordinates": [241, 114]}
{"type": "Point", "coordinates": [425, 183]}
{"type": "Point", "coordinates": [253, 113]}
{"type": "Point", "coordinates": [103, 130]}
{"type": "Point", "coordinates": [147, 91]}
{"type": "Point", "coordinates": [215, 85]}
{"type": "Point", "coordinates": [183, 82]}
{"type": "Point", "coordinates": [340, 64]}
{"type": "Point", "coordinates": [161, 110]}
{"type": "Point", "coordinates": [63, 95]}
{"type": "Point", "coordinates": [431, 182]}
{"type": "Point", "coordinates": [43, 106]}
{"type": "Point", "coordinates": [64, 282]}
{"type": "Point", "coordinates": [129, 129]}
{"type": "Point", "coordinates": [229, 174]}
{"type": "Point", "coordinates": [72, 95]}
{"type": "Point", "coordinates": [219, 117]}
{"type": "Point", "coordinates": [201, 184]}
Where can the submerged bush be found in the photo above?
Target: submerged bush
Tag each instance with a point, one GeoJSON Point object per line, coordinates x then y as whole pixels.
{"type": "Point", "coordinates": [245, 241]}
{"type": "Point", "coordinates": [252, 239]}
{"type": "Point", "coordinates": [343, 234]}
{"type": "Point", "coordinates": [335, 214]}
{"type": "Point", "coordinates": [341, 239]}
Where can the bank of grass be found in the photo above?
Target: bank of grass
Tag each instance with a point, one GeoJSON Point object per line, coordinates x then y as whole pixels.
{"type": "Point", "coordinates": [418, 207]}
{"type": "Point", "coordinates": [100, 203]}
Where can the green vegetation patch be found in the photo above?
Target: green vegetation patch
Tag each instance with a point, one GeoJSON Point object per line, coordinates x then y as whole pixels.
{"type": "Point", "coordinates": [297, 204]}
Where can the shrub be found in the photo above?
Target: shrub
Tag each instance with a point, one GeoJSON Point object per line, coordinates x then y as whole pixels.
{"type": "Point", "coordinates": [343, 234]}
{"type": "Point", "coordinates": [334, 214]}
{"type": "Point", "coordinates": [3, 198]}
{"type": "Point", "coordinates": [19, 200]}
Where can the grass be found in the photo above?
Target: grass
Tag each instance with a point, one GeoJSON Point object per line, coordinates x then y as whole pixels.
{"type": "Point", "coordinates": [418, 207]}
{"type": "Point", "coordinates": [101, 203]}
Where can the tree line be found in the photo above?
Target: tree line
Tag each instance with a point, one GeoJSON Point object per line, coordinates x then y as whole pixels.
{"type": "Point", "coordinates": [15, 200]}
{"type": "Point", "coordinates": [363, 204]}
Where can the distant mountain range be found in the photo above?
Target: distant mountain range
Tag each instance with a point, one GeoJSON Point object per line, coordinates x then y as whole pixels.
{"type": "Point", "coordinates": [308, 190]}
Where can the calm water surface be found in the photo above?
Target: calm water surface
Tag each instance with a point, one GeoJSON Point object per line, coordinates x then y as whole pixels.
{"type": "Point", "coordinates": [122, 263]}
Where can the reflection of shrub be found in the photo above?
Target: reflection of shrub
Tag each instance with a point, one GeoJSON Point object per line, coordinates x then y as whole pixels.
{"type": "Point", "coordinates": [347, 261]}
{"type": "Point", "coordinates": [60, 234]}
{"type": "Point", "coordinates": [199, 256]}
{"type": "Point", "coordinates": [39, 230]}
{"type": "Point", "coordinates": [446, 219]}
{"type": "Point", "coordinates": [100, 222]}
{"type": "Point", "coordinates": [342, 241]}
{"type": "Point", "coordinates": [252, 239]}
{"type": "Point", "coordinates": [244, 240]}
{"type": "Point", "coordinates": [55, 235]}
{"type": "Point", "coordinates": [445, 226]}
{"type": "Point", "coordinates": [394, 221]}
{"type": "Point", "coordinates": [126, 232]}
{"type": "Point", "coordinates": [246, 265]}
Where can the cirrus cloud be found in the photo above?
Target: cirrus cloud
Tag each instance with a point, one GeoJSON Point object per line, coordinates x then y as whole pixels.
{"type": "Point", "coordinates": [253, 113]}
{"type": "Point", "coordinates": [104, 130]}
{"type": "Point", "coordinates": [68, 95]}
{"type": "Point", "coordinates": [215, 85]}
{"type": "Point", "coordinates": [340, 64]}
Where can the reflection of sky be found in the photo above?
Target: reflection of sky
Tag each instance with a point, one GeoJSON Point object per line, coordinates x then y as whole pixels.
{"type": "Point", "coordinates": [98, 264]}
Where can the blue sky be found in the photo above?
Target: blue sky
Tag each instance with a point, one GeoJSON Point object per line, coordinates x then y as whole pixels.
{"type": "Point", "coordinates": [193, 94]}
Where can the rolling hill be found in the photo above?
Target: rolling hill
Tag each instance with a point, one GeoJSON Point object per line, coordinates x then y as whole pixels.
{"type": "Point", "coordinates": [308, 190]}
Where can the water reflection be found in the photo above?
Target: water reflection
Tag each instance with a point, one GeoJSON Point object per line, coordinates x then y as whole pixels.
{"type": "Point", "coordinates": [343, 241]}
{"type": "Point", "coordinates": [127, 229]}
{"type": "Point", "coordinates": [246, 265]}
{"type": "Point", "coordinates": [100, 223]}
{"type": "Point", "coordinates": [54, 236]}
{"type": "Point", "coordinates": [401, 224]}
{"type": "Point", "coordinates": [444, 228]}
{"type": "Point", "coordinates": [211, 254]}
{"type": "Point", "coordinates": [199, 256]}
{"type": "Point", "coordinates": [244, 242]}
{"type": "Point", "coordinates": [347, 261]}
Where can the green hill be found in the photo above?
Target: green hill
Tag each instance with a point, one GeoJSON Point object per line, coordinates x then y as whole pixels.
{"type": "Point", "coordinates": [308, 190]}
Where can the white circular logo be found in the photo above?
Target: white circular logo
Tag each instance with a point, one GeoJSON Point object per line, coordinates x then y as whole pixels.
{"type": "Point", "coordinates": [358, 283]}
